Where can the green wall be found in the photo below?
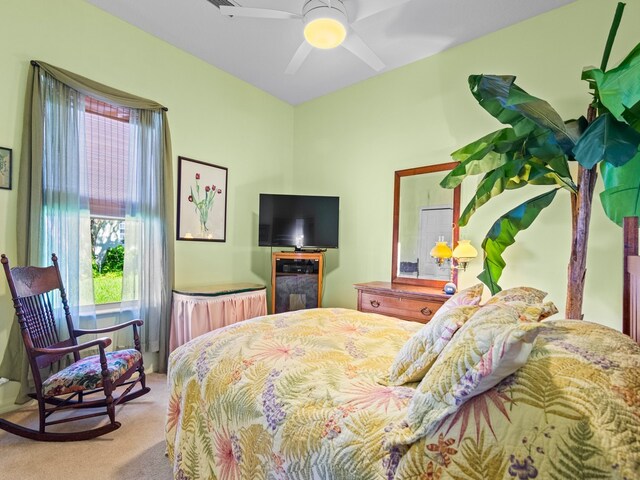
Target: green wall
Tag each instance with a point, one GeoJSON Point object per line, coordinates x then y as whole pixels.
{"type": "Point", "coordinates": [349, 144]}
{"type": "Point", "coordinates": [213, 117]}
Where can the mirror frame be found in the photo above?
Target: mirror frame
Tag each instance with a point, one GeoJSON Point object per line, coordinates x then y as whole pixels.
{"type": "Point", "coordinates": [441, 167]}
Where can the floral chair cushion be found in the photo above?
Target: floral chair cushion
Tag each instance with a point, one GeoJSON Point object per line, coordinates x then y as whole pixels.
{"type": "Point", "coordinates": [490, 346]}
{"type": "Point", "coordinates": [518, 294]}
{"type": "Point", "coordinates": [86, 374]}
{"type": "Point", "coordinates": [419, 352]}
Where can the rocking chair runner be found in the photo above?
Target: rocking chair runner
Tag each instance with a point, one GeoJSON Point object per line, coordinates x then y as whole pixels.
{"type": "Point", "coordinates": [31, 288]}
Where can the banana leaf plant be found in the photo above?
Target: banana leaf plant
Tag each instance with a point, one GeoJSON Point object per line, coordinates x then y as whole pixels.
{"type": "Point", "coordinates": [535, 150]}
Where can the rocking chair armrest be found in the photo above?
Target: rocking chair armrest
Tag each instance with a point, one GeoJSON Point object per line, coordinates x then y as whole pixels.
{"type": "Point", "coordinates": [102, 343]}
{"type": "Point", "coordinates": [137, 323]}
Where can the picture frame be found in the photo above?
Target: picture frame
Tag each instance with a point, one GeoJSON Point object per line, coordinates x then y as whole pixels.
{"type": "Point", "coordinates": [202, 201]}
{"type": "Point", "coordinates": [6, 168]}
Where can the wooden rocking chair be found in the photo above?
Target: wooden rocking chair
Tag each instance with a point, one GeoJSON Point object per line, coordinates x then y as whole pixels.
{"type": "Point", "coordinates": [31, 289]}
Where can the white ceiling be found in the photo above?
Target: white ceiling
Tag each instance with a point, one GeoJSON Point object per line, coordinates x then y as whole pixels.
{"type": "Point", "coordinates": [259, 50]}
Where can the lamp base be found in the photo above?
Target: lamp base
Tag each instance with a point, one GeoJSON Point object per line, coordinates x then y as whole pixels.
{"type": "Point", "coordinates": [450, 288]}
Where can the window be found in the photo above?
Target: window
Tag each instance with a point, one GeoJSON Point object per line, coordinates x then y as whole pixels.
{"type": "Point", "coordinates": [107, 149]}
{"type": "Point", "coordinates": [97, 161]}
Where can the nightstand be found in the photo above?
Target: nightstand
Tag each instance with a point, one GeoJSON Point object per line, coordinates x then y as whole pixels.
{"type": "Point", "coordinates": [407, 302]}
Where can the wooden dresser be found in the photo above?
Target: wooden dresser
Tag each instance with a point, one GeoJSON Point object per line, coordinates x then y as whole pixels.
{"type": "Point", "coordinates": [407, 302]}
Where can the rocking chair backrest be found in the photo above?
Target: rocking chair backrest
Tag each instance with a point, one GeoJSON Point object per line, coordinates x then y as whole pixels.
{"type": "Point", "coordinates": [31, 290]}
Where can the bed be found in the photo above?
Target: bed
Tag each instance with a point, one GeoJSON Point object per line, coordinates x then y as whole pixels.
{"type": "Point", "coordinates": [302, 395]}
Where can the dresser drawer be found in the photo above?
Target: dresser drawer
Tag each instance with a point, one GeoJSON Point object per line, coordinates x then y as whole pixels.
{"type": "Point", "coordinates": [400, 307]}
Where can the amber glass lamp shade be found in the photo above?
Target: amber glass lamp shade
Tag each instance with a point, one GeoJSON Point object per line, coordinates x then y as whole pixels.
{"type": "Point", "coordinates": [441, 252]}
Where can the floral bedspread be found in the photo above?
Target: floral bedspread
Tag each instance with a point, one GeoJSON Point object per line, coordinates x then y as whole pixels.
{"type": "Point", "coordinates": [299, 396]}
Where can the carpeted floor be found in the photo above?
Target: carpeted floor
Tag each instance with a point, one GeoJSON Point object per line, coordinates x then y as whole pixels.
{"type": "Point", "coordinates": [134, 451]}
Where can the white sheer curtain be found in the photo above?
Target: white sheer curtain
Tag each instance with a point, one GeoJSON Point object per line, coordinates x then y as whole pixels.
{"type": "Point", "coordinates": [53, 210]}
{"type": "Point", "coordinates": [146, 288]}
{"type": "Point", "coordinates": [64, 228]}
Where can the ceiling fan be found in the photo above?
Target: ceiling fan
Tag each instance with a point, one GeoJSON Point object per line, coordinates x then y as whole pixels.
{"type": "Point", "coordinates": [326, 25]}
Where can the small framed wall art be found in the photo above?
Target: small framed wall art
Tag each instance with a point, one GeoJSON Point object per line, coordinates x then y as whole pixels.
{"type": "Point", "coordinates": [5, 168]}
{"type": "Point", "coordinates": [202, 201]}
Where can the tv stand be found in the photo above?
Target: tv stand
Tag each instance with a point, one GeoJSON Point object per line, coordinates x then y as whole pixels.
{"type": "Point", "coordinates": [296, 281]}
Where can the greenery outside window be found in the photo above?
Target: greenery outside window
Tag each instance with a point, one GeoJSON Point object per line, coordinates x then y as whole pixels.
{"type": "Point", "coordinates": [107, 249]}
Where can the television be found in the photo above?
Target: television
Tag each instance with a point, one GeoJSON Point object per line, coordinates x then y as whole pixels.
{"type": "Point", "coordinates": [300, 221]}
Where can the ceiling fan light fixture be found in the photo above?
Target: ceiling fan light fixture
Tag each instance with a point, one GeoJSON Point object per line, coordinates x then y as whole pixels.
{"type": "Point", "coordinates": [325, 33]}
{"type": "Point", "coordinates": [325, 24]}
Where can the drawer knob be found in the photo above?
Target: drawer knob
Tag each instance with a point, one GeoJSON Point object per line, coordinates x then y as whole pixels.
{"type": "Point", "coordinates": [375, 303]}
{"type": "Point", "coordinates": [426, 311]}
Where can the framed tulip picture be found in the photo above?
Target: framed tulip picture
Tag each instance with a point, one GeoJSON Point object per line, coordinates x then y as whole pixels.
{"type": "Point", "coordinates": [202, 201]}
{"type": "Point", "coordinates": [5, 168]}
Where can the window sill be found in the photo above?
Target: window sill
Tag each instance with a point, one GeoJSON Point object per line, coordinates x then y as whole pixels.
{"type": "Point", "coordinates": [108, 309]}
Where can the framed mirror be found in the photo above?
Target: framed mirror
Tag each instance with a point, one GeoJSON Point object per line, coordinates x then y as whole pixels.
{"type": "Point", "coordinates": [423, 212]}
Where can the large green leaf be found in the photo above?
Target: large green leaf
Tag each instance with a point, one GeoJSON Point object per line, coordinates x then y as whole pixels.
{"type": "Point", "coordinates": [593, 76]}
{"type": "Point", "coordinates": [621, 195]}
{"type": "Point", "coordinates": [494, 183]}
{"type": "Point", "coordinates": [540, 147]}
{"type": "Point", "coordinates": [481, 156]}
{"type": "Point", "coordinates": [541, 143]}
{"type": "Point", "coordinates": [496, 149]}
{"type": "Point", "coordinates": [499, 141]}
{"type": "Point", "coordinates": [537, 172]}
{"type": "Point", "coordinates": [502, 98]}
{"type": "Point", "coordinates": [607, 140]}
{"type": "Point", "coordinates": [618, 88]}
{"type": "Point", "coordinates": [576, 127]}
{"type": "Point", "coordinates": [632, 116]}
{"type": "Point", "coordinates": [560, 165]}
{"type": "Point", "coordinates": [516, 173]}
{"type": "Point", "coordinates": [503, 233]}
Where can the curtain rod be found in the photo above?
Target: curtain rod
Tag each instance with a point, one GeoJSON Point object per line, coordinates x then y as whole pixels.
{"type": "Point", "coordinates": [36, 64]}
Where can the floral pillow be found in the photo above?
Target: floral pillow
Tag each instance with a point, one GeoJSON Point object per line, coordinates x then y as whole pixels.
{"type": "Point", "coordinates": [490, 346]}
{"type": "Point", "coordinates": [546, 310]}
{"type": "Point", "coordinates": [518, 294]}
{"type": "Point", "coordinates": [468, 296]}
{"type": "Point", "coordinates": [528, 312]}
{"type": "Point", "coordinates": [419, 352]}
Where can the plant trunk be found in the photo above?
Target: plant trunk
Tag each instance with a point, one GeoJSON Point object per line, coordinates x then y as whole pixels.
{"type": "Point", "coordinates": [581, 217]}
{"type": "Point", "coordinates": [581, 202]}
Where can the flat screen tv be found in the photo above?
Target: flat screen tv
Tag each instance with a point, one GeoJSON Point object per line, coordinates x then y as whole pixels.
{"type": "Point", "coordinates": [300, 221]}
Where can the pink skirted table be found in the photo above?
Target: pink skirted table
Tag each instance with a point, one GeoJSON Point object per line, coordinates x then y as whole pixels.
{"type": "Point", "coordinates": [199, 310]}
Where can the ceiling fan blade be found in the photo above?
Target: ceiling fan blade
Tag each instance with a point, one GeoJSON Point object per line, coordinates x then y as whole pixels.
{"type": "Point", "coordinates": [298, 58]}
{"type": "Point", "coordinates": [257, 13]}
{"type": "Point", "coordinates": [356, 45]}
{"type": "Point", "coordinates": [372, 7]}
